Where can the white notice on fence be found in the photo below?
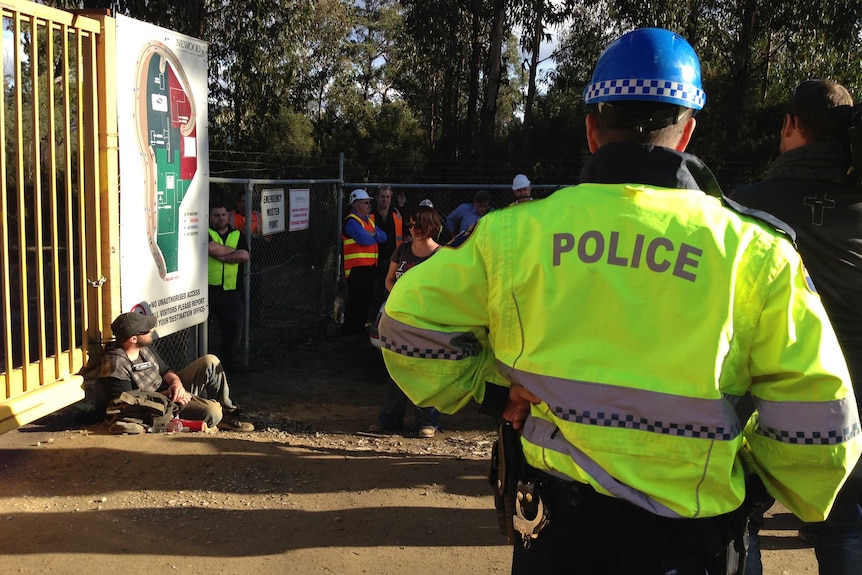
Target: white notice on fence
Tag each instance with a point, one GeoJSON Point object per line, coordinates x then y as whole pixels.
{"type": "Point", "coordinates": [300, 200]}
{"type": "Point", "coordinates": [272, 211]}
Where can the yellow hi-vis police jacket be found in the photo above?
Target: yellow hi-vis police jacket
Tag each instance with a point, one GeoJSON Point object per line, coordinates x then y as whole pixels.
{"type": "Point", "coordinates": [639, 316]}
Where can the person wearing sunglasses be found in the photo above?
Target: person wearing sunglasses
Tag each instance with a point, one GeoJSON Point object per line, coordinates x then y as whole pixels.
{"type": "Point", "coordinates": [387, 218]}
{"type": "Point", "coordinates": [808, 188]}
{"type": "Point", "coordinates": [424, 225]}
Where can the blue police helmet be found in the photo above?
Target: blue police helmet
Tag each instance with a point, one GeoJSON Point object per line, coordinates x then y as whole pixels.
{"type": "Point", "coordinates": [648, 64]}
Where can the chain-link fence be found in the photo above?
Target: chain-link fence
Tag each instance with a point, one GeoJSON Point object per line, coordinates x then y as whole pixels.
{"type": "Point", "coordinates": [289, 282]}
{"type": "Point", "coordinates": [292, 277]}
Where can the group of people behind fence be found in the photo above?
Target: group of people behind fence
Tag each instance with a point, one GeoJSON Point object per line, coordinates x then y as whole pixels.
{"type": "Point", "coordinates": [381, 242]}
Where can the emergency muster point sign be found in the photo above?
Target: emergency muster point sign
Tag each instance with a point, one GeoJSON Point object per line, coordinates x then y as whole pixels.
{"type": "Point", "coordinates": [272, 211]}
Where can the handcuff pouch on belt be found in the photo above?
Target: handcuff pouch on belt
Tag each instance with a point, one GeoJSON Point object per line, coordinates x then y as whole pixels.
{"type": "Point", "coordinates": [521, 511]}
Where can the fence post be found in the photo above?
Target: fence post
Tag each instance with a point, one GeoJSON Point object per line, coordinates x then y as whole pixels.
{"type": "Point", "coordinates": [340, 217]}
{"type": "Point", "coordinates": [246, 280]}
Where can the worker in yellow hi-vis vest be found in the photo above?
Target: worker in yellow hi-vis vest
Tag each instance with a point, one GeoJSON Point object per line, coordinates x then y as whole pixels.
{"type": "Point", "coordinates": [613, 326]}
{"type": "Point", "coordinates": [227, 251]}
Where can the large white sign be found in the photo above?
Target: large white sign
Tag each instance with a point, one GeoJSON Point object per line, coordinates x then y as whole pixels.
{"type": "Point", "coordinates": [164, 173]}
{"type": "Point", "coordinates": [300, 204]}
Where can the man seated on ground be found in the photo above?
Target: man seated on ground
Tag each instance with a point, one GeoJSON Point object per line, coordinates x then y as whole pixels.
{"type": "Point", "coordinates": [200, 389]}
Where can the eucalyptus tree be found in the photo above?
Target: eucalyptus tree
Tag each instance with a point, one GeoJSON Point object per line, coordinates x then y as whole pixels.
{"type": "Point", "coordinates": [432, 71]}
{"type": "Point", "coordinates": [256, 48]}
{"type": "Point", "coordinates": [536, 19]}
{"type": "Point", "coordinates": [558, 134]}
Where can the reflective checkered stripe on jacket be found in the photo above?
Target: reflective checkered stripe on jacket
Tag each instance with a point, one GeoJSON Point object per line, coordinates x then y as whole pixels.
{"type": "Point", "coordinates": [638, 321]}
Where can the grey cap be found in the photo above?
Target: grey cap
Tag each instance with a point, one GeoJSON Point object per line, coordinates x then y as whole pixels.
{"type": "Point", "coordinates": [132, 323]}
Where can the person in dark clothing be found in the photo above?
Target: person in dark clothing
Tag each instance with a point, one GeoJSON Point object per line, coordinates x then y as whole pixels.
{"type": "Point", "coordinates": [200, 389]}
{"type": "Point", "coordinates": [807, 187]}
{"type": "Point", "coordinates": [387, 218]}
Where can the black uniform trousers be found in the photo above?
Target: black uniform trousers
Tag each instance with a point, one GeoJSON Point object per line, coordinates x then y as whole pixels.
{"type": "Point", "coordinates": [591, 534]}
{"type": "Point", "coordinates": [360, 291]}
{"type": "Point", "coordinates": [229, 310]}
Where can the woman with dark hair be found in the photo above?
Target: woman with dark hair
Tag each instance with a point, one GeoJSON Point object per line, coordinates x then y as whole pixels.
{"type": "Point", "coordinates": [424, 225]}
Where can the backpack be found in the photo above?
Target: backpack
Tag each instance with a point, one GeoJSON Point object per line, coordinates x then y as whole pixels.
{"type": "Point", "coordinates": [144, 408]}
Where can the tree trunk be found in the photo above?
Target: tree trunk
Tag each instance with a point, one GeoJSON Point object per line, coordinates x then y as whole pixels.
{"type": "Point", "coordinates": [740, 71]}
{"type": "Point", "coordinates": [475, 74]}
{"type": "Point", "coordinates": [495, 73]}
{"type": "Point", "coordinates": [538, 29]}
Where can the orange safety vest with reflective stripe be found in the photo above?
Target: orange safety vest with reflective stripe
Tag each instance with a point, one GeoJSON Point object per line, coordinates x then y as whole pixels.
{"type": "Point", "coordinates": [355, 254]}
{"type": "Point", "coordinates": [399, 228]}
{"type": "Point", "coordinates": [237, 221]}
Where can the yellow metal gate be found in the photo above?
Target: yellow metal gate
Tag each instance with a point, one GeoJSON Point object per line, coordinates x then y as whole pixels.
{"type": "Point", "coordinates": [58, 204]}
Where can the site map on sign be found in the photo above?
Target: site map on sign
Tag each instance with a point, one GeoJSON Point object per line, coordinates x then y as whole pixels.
{"type": "Point", "coordinates": [165, 120]}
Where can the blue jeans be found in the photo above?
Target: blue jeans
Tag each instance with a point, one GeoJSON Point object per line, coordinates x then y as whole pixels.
{"type": "Point", "coordinates": [837, 541]}
{"type": "Point", "coordinates": [392, 416]}
{"type": "Point", "coordinates": [753, 563]}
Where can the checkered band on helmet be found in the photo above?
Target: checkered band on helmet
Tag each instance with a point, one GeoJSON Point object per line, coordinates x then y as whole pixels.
{"type": "Point", "coordinates": [648, 64]}
{"type": "Point", "coordinates": [658, 90]}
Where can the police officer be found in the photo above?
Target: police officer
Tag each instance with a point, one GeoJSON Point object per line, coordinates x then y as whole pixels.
{"type": "Point", "coordinates": [619, 335]}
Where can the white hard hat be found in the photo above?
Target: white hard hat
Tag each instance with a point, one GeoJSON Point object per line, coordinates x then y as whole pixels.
{"type": "Point", "coordinates": [520, 182]}
{"type": "Point", "coordinates": [358, 195]}
{"type": "Point", "coordinates": [426, 203]}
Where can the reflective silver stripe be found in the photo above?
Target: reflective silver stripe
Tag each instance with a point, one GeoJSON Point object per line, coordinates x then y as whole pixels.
{"type": "Point", "coordinates": [622, 407]}
{"type": "Point", "coordinates": [425, 343]}
{"type": "Point", "coordinates": [800, 423]}
{"type": "Point", "coordinates": [541, 433]}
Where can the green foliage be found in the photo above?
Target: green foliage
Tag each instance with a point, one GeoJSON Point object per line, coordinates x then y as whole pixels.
{"type": "Point", "coordinates": [400, 86]}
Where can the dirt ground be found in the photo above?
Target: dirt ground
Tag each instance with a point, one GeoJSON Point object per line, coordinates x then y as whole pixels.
{"type": "Point", "coordinates": [308, 492]}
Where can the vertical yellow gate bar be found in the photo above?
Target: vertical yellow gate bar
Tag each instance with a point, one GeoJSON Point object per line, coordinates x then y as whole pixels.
{"type": "Point", "coordinates": [109, 170]}
{"type": "Point", "coordinates": [38, 231]}
{"type": "Point", "coordinates": [71, 287]}
{"type": "Point", "coordinates": [5, 260]}
{"type": "Point", "coordinates": [54, 292]}
{"type": "Point", "coordinates": [21, 203]}
{"type": "Point", "coordinates": [92, 199]}
{"type": "Point", "coordinates": [80, 205]}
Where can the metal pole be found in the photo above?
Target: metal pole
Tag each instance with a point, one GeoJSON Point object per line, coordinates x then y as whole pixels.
{"type": "Point", "coordinates": [249, 226]}
{"type": "Point", "coordinates": [340, 216]}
